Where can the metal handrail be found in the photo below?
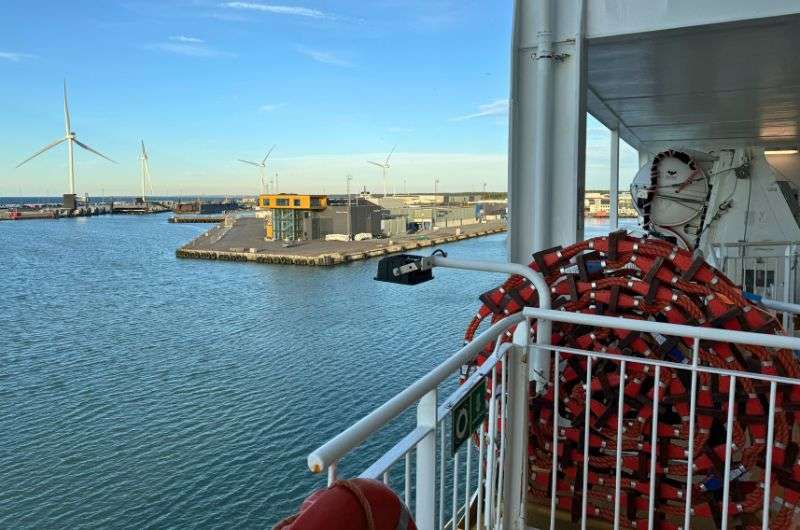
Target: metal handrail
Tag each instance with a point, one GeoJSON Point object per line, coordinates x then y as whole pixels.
{"type": "Point", "coordinates": [410, 440]}
{"type": "Point", "coordinates": [480, 373]}
{"type": "Point", "coordinates": [329, 453]}
{"type": "Point", "coordinates": [540, 365]}
{"type": "Point", "coordinates": [424, 389]}
{"type": "Point", "coordinates": [736, 244]}
{"type": "Point", "coordinates": [680, 330]}
{"type": "Point", "coordinates": [697, 334]}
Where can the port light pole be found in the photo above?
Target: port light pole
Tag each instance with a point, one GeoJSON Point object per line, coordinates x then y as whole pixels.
{"type": "Point", "coordinates": [349, 210]}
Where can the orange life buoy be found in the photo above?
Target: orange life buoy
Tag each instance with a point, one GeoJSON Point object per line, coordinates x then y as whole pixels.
{"type": "Point", "coordinates": [356, 504]}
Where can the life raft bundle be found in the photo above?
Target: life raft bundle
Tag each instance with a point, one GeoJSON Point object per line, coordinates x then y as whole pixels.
{"type": "Point", "coordinates": [650, 279]}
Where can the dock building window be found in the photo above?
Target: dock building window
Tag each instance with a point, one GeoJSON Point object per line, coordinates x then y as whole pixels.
{"type": "Point", "coordinates": [282, 202]}
{"type": "Point", "coordinates": [297, 202]}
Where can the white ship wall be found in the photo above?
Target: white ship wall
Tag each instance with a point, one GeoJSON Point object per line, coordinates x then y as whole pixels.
{"type": "Point", "coordinates": [787, 166]}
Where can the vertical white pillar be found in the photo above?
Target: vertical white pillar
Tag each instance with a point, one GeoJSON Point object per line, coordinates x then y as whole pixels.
{"type": "Point", "coordinates": [425, 501]}
{"type": "Point", "coordinates": [644, 158]}
{"type": "Point", "coordinates": [515, 476]}
{"type": "Point", "coordinates": [613, 188]}
{"type": "Point", "coordinates": [546, 155]}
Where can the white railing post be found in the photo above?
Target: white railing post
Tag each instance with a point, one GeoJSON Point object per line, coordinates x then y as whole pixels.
{"type": "Point", "coordinates": [515, 480]}
{"type": "Point", "coordinates": [613, 186]}
{"type": "Point", "coordinates": [788, 288]}
{"type": "Point", "coordinates": [426, 464]}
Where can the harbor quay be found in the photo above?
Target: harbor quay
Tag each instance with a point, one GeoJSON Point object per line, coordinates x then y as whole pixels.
{"type": "Point", "coordinates": [243, 240]}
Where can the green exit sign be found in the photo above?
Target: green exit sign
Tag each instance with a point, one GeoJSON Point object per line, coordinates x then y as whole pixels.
{"type": "Point", "coordinates": [468, 414]}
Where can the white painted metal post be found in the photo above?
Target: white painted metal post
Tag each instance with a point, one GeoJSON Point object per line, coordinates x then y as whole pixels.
{"type": "Point", "coordinates": [548, 69]}
{"type": "Point", "coordinates": [644, 158]}
{"type": "Point", "coordinates": [613, 188]}
{"type": "Point", "coordinates": [516, 465]}
{"type": "Point", "coordinates": [425, 503]}
{"type": "Point", "coordinates": [331, 474]}
{"type": "Point", "coordinates": [788, 286]}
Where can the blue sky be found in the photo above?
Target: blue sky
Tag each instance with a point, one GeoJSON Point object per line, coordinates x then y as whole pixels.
{"type": "Point", "coordinates": [205, 82]}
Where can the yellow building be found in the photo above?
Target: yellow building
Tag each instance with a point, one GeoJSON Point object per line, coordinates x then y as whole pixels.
{"type": "Point", "coordinates": [291, 201]}
{"type": "Point", "coordinates": [287, 212]}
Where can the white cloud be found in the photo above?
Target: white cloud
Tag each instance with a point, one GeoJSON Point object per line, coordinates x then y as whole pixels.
{"type": "Point", "coordinates": [498, 107]}
{"type": "Point", "coordinates": [325, 57]}
{"type": "Point", "coordinates": [297, 11]}
{"type": "Point", "coordinates": [184, 38]}
{"type": "Point", "coordinates": [269, 107]}
{"type": "Point", "coordinates": [15, 56]}
{"type": "Point", "coordinates": [189, 50]}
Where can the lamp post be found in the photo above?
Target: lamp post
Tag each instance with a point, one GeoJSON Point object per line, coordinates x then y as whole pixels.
{"type": "Point", "coordinates": [349, 209]}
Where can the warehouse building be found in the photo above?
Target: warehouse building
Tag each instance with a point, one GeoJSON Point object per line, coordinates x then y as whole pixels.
{"type": "Point", "coordinates": [364, 218]}
{"type": "Point", "coordinates": [293, 217]}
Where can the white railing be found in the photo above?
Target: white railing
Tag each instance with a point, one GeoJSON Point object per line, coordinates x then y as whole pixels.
{"type": "Point", "coordinates": [495, 486]}
{"type": "Point", "coordinates": [429, 502]}
{"type": "Point", "coordinates": [767, 269]}
{"type": "Point", "coordinates": [486, 470]}
{"type": "Point", "coordinates": [694, 368]}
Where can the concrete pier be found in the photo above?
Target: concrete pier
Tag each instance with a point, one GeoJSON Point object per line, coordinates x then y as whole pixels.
{"type": "Point", "coordinates": [244, 241]}
{"type": "Point", "coordinates": [52, 212]}
{"type": "Point", "coordinates": [215, 219]}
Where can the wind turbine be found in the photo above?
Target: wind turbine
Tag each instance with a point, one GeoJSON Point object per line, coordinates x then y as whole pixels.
{"type": "Point", "coordinates": [143, 160]}
{"type": "Point", "coordinates": [70, 138]}
{"type": "Point", "coordinates": [262, 168]}
{"type": "Point", "coordinates": [384, 167]}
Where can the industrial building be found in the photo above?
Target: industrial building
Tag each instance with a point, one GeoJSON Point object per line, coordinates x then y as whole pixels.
{"type": "Point", "coordinates": [287, 213]}
{"type": "Point", "coordinates": [294, 217]}
{"type": "Point", "coordinates": [402, 218]}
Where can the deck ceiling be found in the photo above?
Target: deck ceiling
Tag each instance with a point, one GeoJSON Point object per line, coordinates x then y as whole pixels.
{"type": "Point", "coordinates": [703, 87]}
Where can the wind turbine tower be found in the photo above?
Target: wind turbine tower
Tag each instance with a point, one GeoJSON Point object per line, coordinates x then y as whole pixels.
{"type": "Point", "coordinates": [384, 168]}
{"type": "Point", "coordinates": [262, 169]}
{"type": "Point", "coordinates": [145, 166]}
{"type": "Point", "coordinates": [71, 138]}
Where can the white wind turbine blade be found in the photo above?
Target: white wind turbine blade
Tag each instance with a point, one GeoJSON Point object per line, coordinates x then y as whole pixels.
{"type": "Point", "coordinates": [376, 164]}
{"type": "Point", "coordinates": [248, 162]}
{"type": "Point", "coordinates": [389, 156]}
{"type": "Point", "coordinates": [101, 155]}
{"type": "Point", "coordinates": [42, 150]}
{"type": "Point", "coordinates": [268, 153]}
{"type": "Point", "coordinates": [67, 125]}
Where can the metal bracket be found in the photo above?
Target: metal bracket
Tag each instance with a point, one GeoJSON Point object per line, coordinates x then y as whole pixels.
{"type": "Point", "coordinates": [559, 57]}
{"type": "Point", "coordinates": [423, 264]}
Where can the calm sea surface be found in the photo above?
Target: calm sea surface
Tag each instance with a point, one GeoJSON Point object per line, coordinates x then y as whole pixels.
{"type": "Point", "coordinates": [142, 391]}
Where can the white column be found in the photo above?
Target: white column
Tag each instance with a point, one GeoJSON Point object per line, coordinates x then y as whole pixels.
{"type": "Point", "coordinates": [613, 193]}
{"type": "Point", "coordinates": [547, 126]}
{"type": "Point", "coordinates": [644, 158]}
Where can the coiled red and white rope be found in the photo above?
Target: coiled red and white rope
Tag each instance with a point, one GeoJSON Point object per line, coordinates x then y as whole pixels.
{"type": "Point", "coordinates": [650, 279]}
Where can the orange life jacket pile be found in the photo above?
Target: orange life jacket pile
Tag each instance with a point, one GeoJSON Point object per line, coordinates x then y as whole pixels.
{"type": "Point", "coordinates": [650, 279]}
